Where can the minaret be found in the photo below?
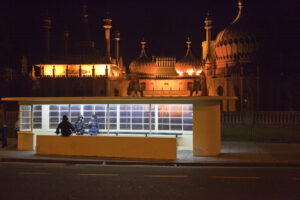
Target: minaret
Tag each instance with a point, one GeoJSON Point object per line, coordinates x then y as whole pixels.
{"type": "Point", "coordinates": [47, 27]}
{"type": "Point", "coordinates": [66, 36]}
{"type": "Point", "coordinates": [117, 39]}
{"type": "Point", "coordinates": [107, 26]}
{"type": "Point", "coordinates": [208, 27]}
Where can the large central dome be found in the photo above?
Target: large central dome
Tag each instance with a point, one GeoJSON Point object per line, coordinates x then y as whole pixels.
{"type": "Point", "coordinates": [143, 64]}
{"type": "Point", "coordinates": [237, 41]}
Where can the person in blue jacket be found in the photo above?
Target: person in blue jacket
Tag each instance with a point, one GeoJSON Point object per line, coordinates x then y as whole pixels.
{"type": "Point", "coordinates": [93, 125]}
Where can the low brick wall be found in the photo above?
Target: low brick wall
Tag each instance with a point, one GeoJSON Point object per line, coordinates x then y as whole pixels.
{"type": "Point", "coordinates": [108, 146]}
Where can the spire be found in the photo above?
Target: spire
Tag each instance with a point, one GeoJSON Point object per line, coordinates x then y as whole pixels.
{"type": "Point", "coordinates": [188, 44]}
{"type": "Point", "coordinates": [143, 51]}
{"type": "Point", "coordinates": [240, 6]}
{"type": "Point", "coordinates": [117, 49]}
{"type": "Point", "coordinates": [107, 26]}
{"type": "Point", "coordinates": [208, 26]}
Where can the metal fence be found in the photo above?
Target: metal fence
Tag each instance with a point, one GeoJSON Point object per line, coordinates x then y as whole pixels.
{"type": "Point", "coordinates": [284, 118]}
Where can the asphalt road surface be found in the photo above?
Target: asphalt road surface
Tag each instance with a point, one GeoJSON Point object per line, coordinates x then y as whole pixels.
{"type": "Point", "coordinates": [62, 181]}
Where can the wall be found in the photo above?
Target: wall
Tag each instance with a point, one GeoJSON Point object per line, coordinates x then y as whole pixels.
{"type": "Point", "coordinates": [106, 146]}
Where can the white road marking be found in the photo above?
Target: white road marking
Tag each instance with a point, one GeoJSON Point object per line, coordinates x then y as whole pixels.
{"type": "Point", "coordinates": [98, 174]}
{"type": "Point", "coordinates": [235, 177]}
{"type": "Point", "coordinates": [34, 173]}
{"type": "Point", "coordinates": [166, 176]}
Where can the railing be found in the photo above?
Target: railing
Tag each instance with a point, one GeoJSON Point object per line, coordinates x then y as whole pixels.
{"type": "Point", "coordinates": [261, 118]}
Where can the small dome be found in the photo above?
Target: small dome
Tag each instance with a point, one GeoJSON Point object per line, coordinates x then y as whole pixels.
{"type": "Point", "coordinates": [143, 64]}
{"type": "Point", "coordinates": [188, 65]}
{"type": "Point", "coordinates": [237, 40]}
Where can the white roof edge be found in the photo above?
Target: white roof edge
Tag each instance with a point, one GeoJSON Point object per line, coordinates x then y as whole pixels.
{"type": "Point", "coordinates": [203, 98]}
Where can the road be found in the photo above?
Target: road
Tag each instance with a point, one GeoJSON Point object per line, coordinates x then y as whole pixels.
{"type": "Point", "coordinates": [64, 181]}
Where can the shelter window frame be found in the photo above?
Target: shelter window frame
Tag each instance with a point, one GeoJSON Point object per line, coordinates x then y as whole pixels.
{"type": "Point", "coordinates": [25, 118]}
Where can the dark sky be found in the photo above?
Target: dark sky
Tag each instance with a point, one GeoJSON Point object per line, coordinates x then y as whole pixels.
{"type": "Point", "coordinates": [164, 24]}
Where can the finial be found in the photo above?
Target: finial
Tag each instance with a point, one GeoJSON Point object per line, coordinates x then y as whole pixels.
{"type": "Point", "coordinates": [143, 43]}
{"type": "Point", "coordinates": [240, 4]}
{"type": "Point", "coordinates": [188, 42]}
{"type": "Point", "coordinates": [117, 35]}
{"type": "Point", "coordinates": [207, 14]}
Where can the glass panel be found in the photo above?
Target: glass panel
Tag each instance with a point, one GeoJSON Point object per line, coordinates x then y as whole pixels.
{"type": "Point", "coordinates": [37, 126]}
{"type": "Point", "coordinates": [54, 107]}
{"type": "Point", "coordinates": [25, 108]}
{"type": "Point", "coordinates": [25, 120]}
{"type": "Point", "coordinates": [100, 107]}
{"type": "Point", "coordinates": [37, 120]}
{"type": "Point", "coordinates": [112, 107]}
{"type": "Point", "coordinates": [187, 114]}
{"type": "Point", "coordinates": [54, 114]}
{"type": "Point", "coordinates": [25, 114]}
{"type": "Point", "coordinates": [188, 127]}
{"type": "Point", "coordinates": [25, 126]}
{"type": "Point", "coordinates": [112, 114]}
{"type": "Point", "coordinates": [100, 114]}
{"type": "Point", "coordinates": [112, 126]}
{"type": "Point", "coordinates": [88, 107]}
{"type": "Point", "coordinates": [125, 126]}
{"type": "Point", "coordinates": [37, 114]}
{"type": "Point", "coordinates": [124, 120]}
{"type": "Point", "coordinates": [163, 127]}
{"type": "Point", "coordinates": [37, 107]}
{"type": "Point", "coordinates": [75, 107]}
{"type": "Point", "coordinates": [112, 120]}
{"type": "Point", "coordinates": [188, 120]}
{"type": "Point", "coordinates": [137, 127]}
{"type": "Point", "coordinates": [64, 107]}
{"type": "Point", "coordinates": [176, 127]}
{"type": "Point", "coordinates": [176, 120]}
{"type": "Point", "coordinates": [137, 120]}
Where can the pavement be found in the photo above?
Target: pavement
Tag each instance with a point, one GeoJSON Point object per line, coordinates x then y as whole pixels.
{"type": "Point", "coordinates": [232, 154]}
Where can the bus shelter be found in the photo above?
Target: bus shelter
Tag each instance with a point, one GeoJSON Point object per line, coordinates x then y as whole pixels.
{"type": "Point", "coordinates": [133, 125]}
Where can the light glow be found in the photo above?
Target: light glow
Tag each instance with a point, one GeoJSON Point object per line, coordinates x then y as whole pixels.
{"type": "Point", "coordinates": [198, 72]}
{"type": "Point", "coordinates": [73, 70]}
{"type": "Point", "coordinates": [190, 72]}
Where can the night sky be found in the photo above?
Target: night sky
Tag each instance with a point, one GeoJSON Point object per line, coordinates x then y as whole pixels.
{"type": "Point", "coordinates": [164, 24]}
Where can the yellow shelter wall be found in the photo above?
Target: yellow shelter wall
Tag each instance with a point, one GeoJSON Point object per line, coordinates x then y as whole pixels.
{"type": "Point", "coordinates": [108, 146]}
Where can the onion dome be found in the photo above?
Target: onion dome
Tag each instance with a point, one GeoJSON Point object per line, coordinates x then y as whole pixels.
{"type": "Point", "coordinates": [236, 41]}
{"type": "Point", "coordinates": [188, 65]}
{"type": "Point", "coordinates": [143, 64]}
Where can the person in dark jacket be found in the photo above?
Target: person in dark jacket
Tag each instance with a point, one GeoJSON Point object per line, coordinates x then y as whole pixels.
{"type": "Point", "coordinates": [4, 131]}
{"type": "Point", "coordinates": [79, 126]}
{"type": "Point", "coordinates": [65, 126]}
{"type": "Point", "coordinates": [93, 125]}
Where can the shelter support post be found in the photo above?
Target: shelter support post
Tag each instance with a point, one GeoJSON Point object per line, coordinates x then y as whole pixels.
{"type": "Point", "coordinates": [206, 128]}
